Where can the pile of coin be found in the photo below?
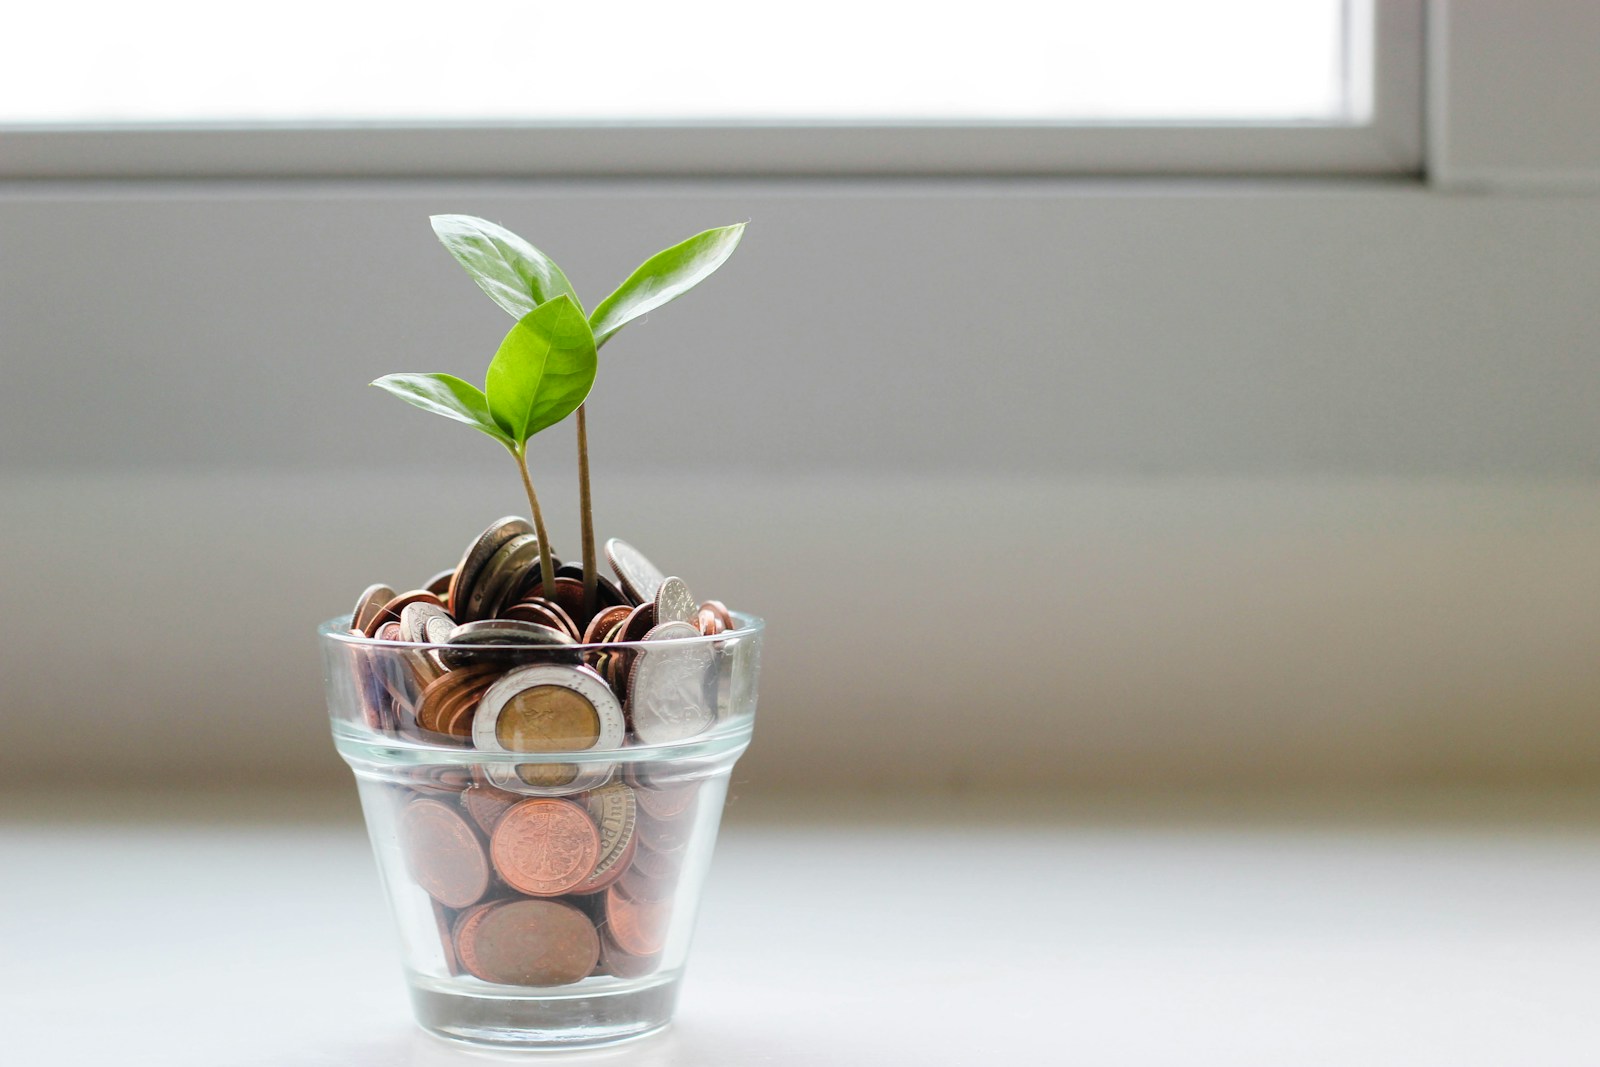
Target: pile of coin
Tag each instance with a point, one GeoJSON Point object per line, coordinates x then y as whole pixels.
{"type": "Point", "coordinates": [542, 874]}
{"type": "Point", "coordinates": [544, 891]}
{"type": "Point", "coordinates": [495, 605]}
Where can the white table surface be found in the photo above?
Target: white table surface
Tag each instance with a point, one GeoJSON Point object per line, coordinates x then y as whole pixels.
{"type": "Point", "coordinates": [1418, 929]}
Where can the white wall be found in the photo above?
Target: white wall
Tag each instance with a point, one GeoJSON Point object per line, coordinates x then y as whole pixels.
{"type": "Point", "coordinates": [1258, 483]}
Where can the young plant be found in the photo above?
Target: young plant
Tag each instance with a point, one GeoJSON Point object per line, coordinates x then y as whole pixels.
{"type": "Point", "coordinates": [541, 373]}
{"type": "Point", "coordinates": [520, 278]}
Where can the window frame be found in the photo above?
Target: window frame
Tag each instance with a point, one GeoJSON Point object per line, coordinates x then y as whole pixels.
{"type": "Point", "coordinates": [1389, 141]}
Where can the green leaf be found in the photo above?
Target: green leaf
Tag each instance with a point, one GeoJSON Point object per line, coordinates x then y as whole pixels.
{"type": "Point", "coordinates": [543, 370]}
{"type": "Point", "coordinates": [664, 276]}
{"type": "Point", "coordinates": [516, 275]}
{"type": "Point", "coordinates": [447, 395]}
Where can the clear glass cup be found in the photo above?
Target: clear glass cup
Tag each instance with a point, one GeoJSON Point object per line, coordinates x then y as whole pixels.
{"type": "Point", "coordinates": [544, 892]}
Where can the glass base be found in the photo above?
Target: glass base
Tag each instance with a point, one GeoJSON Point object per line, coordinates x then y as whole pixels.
{"type": "Point", "coordinates": [503, 1017]}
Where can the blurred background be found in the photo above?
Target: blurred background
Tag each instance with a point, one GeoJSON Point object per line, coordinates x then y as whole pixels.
{"type": "Point", "coordinates": [1148, 395]}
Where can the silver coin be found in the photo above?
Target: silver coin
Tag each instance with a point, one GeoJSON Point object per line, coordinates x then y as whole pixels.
{"type": "Point", "coordinates": [669, 689]}
{"type": "Point", "coordinates": [425, 623]}
{"type": "Point", "coordinates": [674, 602]}
{"type": "Point", "coordinates": [506, 632]}
{"type": "Point", "coordinates": [640, 578]}
{"type": "Point", "coordinates": [500, 575]}
{"type": "Point", "coordinates": [477, 554]}
{"type": "Point", "coordinates": [501, 633]}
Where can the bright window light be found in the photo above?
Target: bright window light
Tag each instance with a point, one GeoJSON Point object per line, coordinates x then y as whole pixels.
{"type": "Point", "coordinates": [316, 61]}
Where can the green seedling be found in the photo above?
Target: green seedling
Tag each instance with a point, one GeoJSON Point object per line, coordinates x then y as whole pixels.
{"type": "Point", "coordinates": [524, 281]}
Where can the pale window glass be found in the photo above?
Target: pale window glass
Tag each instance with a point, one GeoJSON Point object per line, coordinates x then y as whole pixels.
{"type": "Point", "coordinates": [311, 61]}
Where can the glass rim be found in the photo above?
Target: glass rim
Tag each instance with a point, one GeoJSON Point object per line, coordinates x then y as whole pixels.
{"type": "Point", "coordinates": [337, 630]}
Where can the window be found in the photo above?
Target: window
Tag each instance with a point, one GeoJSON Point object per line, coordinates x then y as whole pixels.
{"type": "Point", "coordinates": [1153, 85]}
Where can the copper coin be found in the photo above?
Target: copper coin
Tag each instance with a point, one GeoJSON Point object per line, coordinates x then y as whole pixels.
{"type": "Point", "coordinates": [447, 941]}
{"type": "Point", "coordinates": [615, 814]}
{"type": "Point", "coordinates": [606, 592]}
{"type": "Point", "coordinates": [486, 803]}
{"type": "Point", "coordinates": [389, 631]}
{"type": "Point", "coordinates": [457, 721]}
{"type": "Point", "coordinates": [477, 554]}
{"type": "Point", "coordinates": [641, 622]}
{"type": "Point", "coordinates": [545, 846]}
{"type": "Point", "coordinates": [665, 835]}
{"type": "Point", "coordinates": [720, 610]}
{"type": "Point", "coordinates": [373, 598]}
{"type": "Point", "coordinates": [624, 964]}
{"type": "Point", "coordinates": [442, 853]}
{"type": "Point", "coordinates": [544, 612]}
{"type": "Point", "coordinates": [390, 612]}
{"type": "Point", "coordinates": [463, 933]}
{"type": "Point", "coordinates": [657, 866]}
{"type": "Point", "coordinates": [640, 578]}
{"type": "Point", "coordinates": [448, 687]}
{"type": "Point", "coordinates": [668, 801]}
{"type": "Point", "coordinates": [639, 928]}
{"type": "Point", "coordinates": [707, 622]}
{"type": "Point", "coordinates": [376, 704]}
{"type": "Point", "coordinates": [568, 593]}
{"type": "Point", "coordinates": [425, 667]}
{"type": "Point", "coordinates": [643, 888]}
{"type": "Point", "coordinates": [439, 584]}
{"type": "Point", "coordinates": [533, 943]}
{"type": "Point", "coordinates": [604, 621]}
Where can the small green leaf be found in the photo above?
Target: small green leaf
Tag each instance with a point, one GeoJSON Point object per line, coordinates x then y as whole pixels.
{"type": "Point", "coordinates": [664, 276]}
{"type": "Point", "coordinates": [516, 275]}
{"type": "Point", "coordinates": [447, 395]}
{"type": "Point", "coordinates": [543, 370]}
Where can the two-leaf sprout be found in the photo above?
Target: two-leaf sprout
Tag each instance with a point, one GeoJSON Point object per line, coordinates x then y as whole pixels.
{"type": "Point", "coordinates": [546, 364]}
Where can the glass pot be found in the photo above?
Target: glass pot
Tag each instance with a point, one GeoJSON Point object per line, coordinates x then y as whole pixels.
{"type": "Point", "coordinates": [543, 818]}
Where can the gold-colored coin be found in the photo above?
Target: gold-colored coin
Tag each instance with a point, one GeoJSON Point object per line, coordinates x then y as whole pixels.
{"type": "Point", "coordinates": [547, 718]}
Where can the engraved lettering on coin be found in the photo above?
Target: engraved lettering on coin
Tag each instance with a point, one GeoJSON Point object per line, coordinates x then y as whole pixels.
{"type": "Point", "coordinates": [615, 814]}
{"type": "Point", "coordinates": [668, 697]}
{"type": "Point", "coordinates": [545, 847]}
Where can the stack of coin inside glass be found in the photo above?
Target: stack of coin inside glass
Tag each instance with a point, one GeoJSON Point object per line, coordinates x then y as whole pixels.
{"type": "Point", "coordinates": [545, 891]}
{"type": "Point", "coordinates": [542, 874]}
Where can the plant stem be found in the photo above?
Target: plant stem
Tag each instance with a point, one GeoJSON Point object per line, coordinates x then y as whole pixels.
{"type": "Point", "coordinates": [591, 576]}
{"type": "Point", "coordinates": [547, 572]}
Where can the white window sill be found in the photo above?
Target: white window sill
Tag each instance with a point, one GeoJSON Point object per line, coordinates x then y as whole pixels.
{"type": "Point", "coordinates": [1409, 930]}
